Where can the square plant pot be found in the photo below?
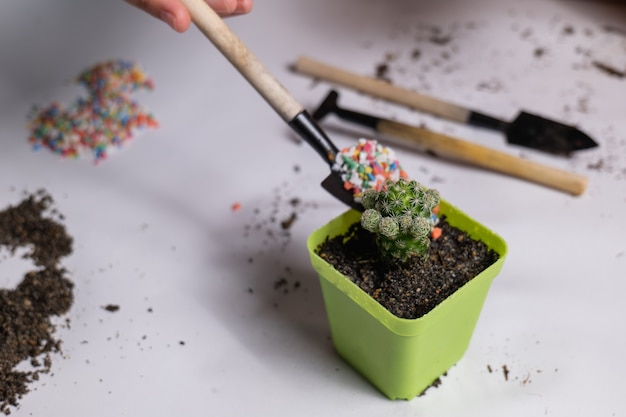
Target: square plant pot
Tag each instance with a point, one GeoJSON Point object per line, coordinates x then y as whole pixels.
{"type": "Point", "coordinates": [402, 357]}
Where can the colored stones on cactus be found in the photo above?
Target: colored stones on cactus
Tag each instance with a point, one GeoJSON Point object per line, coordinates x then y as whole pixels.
{"type": "Point", "coordinates": [367, 166]}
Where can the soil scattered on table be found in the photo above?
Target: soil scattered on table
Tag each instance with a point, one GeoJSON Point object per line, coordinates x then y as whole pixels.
{"type": "Point", "coordinates": [435, 384]}
{"type": "Point", "coordinates": [413, 290]}
{"type": "Point", "coordinates": [26, 312]}
{"type": "Point", "coordinates": [505, 372]}
{"type": "Point", "coordinates": [615, 29]}
{"type": "Point", "coordinates": [277, 221]}
{"type": "Point", "coordinates": [609, 70]}
{"type": "Point", "coordinates": [435, 60]}
{"type": "Point", "coordinates": [274, 222]}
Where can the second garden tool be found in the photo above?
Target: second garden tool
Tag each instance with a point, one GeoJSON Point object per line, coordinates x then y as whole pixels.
{"type": "Point", "coordinates": [526, 129]}
{"type": "Point", "coordinates": [450, 147]}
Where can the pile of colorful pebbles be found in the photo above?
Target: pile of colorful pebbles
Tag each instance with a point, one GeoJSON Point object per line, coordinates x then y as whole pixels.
{"type": "Point", "coordinates": [107, 118]}
{"type": "Point", "coordinates": [368, 165]}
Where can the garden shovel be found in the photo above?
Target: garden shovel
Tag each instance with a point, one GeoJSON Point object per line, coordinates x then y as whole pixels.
{"type": "Point", "coordinates": [216, 30]}
{"type": "Point", "coordinates": [526, 129]}
{"type": "Point", "coordinates": [457, 149]}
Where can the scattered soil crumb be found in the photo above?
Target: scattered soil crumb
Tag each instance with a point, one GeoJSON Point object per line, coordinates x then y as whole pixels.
{"type": "Point", "coordinates": [615, 29]}
{"type": "Point", "coordinates": [111, 308]}
{"type": "Point", "coordinates": [280, 283]}
{"type": "Point", "coordinates": [440, 39]}
{"type": "Point", "coordinates": [492, 85]}
{"type": "Point", "coordinates": [597, 166]}
{"type": "Point", "coordinates": [382, 71]}
{"type": "Point", "coordinates": [288, 222]}
{"type": "Point", "coordinates": [436, 383]}
{"type": "Point", "coordinates": [609, 70]}
{"type": "Point", "coordinates": [527, 33]}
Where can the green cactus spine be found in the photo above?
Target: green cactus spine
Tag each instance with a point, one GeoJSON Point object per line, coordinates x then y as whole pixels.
{"type": "Point", "coordinates": [401, 215]}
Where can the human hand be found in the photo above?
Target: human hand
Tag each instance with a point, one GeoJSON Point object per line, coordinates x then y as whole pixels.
{"type": "Point", "coordinates": [174, 13]}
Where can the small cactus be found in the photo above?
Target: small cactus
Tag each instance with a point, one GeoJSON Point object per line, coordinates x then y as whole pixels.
{"type": "Point", "coordinates": [401, 215]}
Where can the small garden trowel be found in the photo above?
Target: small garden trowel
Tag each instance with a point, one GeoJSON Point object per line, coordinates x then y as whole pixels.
{"type": "Point", "coordinates": [529, 130]}
{"type": "Point", "coordinates": [450, 147]}
{"type": "Point", "coordinates": [292, 112]}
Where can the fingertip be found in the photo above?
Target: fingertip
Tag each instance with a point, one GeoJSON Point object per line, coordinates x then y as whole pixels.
{"type": "Point", "coordinates": [176, 16]}
{"type": "Point", "coordinates": [244, 6]}
{"type": "Point", "coordinates": [183, 21]}
{"type": "Point", "coordinates": [223, 7]}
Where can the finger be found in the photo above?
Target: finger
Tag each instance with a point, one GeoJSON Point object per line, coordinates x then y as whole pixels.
{"type": "Point", "coordinates": [243, 7]}
{"type": "Point", "coordinates": [171, 12]}
{"type": "Point", "coordinates": [223, 7]}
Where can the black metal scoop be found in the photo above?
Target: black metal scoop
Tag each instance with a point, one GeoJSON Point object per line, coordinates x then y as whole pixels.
{"type": "Point", "coordinates": [307, 128]}
{"type": "Point", "coordinates": [536, 132]}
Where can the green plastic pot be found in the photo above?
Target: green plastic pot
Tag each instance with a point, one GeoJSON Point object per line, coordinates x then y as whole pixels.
{"type": "Point", "coordinates": [402, 357]}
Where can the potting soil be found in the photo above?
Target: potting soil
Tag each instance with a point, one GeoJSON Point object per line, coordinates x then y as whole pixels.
{"type": "Point", "coordinates": [415, 288]}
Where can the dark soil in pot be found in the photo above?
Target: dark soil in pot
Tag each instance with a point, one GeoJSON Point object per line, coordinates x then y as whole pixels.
{"type": "Point", "coordinates": [410, 290]}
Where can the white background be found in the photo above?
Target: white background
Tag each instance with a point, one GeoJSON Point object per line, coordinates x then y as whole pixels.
{"type": "Point", "coordinates": [154, 229]}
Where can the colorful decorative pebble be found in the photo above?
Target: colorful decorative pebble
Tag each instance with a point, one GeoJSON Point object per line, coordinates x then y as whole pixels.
{"type": "Point", "coordinates": [107, 118]}
{"type": "Point", "coordinates": [367, 166]}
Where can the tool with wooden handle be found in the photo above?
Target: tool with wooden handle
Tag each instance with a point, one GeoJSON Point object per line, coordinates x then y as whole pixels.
{"type": "Point", "coordinates": [292, 112]}
{"type": "Point", "coordinates": [526, 129]}
{"type": "Point", "coordinates": [450, 147]}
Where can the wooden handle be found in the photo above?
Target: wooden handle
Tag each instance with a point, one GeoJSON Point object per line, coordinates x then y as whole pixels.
{"type": "Point", "coordinates": [214, 28]}
{"type": "Point", "coordinates": [482, 156]}
{"type": "Point", "coordinates": [381, 89]}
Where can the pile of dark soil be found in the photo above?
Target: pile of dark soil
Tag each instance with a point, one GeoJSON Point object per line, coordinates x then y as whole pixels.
{"type": "Point", "coordinates": [411, 290]}
{"type": "Point", "coordinates": [26, 327]}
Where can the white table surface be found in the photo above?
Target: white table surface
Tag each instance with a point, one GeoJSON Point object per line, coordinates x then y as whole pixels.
{"type": "Point", "coordinates": [154, 229]}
